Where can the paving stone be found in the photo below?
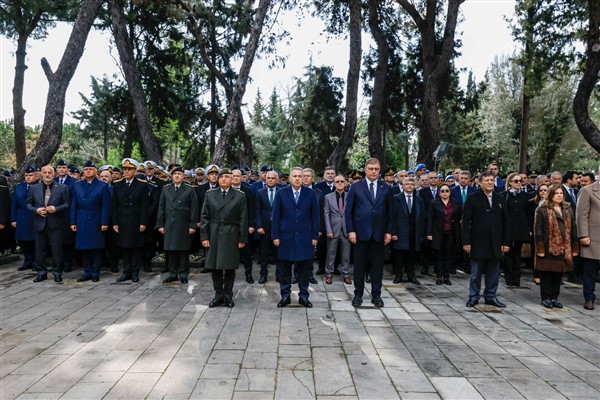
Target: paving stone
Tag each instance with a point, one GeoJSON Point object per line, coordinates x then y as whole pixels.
{"type": "Point", "coordinates": [575, 390]}
{"type": "Point", "coordinates": [219, 389]}
{"type": "Point", "coordinates": [220, 371]}
{"type": "Point", "coordinates": [370, 378]}
{"type": "Point", "coordinates": [495, 389]}
{"type": "Point", "coordinates": [409, 379]}
{"type": "Point", "coordinates": [260, 360]}
{"type": "Point", "coordinates": [87, 390]}
{"type": "Point", "coordinates": [255, 380]}
{"type": "Point", "coordinates": [295, 363]}
{"type": "Point", "coordinates": [332, 376]}
{"type": "Point", "coordinates": [180, 377]}
{"type": "Point", "coordinates": [294, 384]}
{"type": "Point", "coordinates": [455, 388]}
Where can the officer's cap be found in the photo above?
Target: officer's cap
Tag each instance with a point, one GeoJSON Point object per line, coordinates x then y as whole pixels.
{"type": "Point", "coordinates": [30, 169]}
{"type": "Point", "coordinates": [108, 168]}
{"type": "Point", "coordinates": [212, 168]}
{"type": "Point", "coordinates": [61, 162]}
{"type": "Point", "coordinates": [89, 164]}
{"type": "Point", "coordinates": [175, 168]}
{"type": "Point", "coordinates": [130, 163]}
{"type": "Point", "coordinates": [149, 164]}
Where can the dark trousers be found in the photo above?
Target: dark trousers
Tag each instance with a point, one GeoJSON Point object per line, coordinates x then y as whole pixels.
{"type": "Point", "coordinates": [445, 255]}
{"type": "Point", "coordinates": [267, 252]}
{"type": "Point", "coordinates": [43, 239]}
{"type": "Point", "coordinates": [590, 272]}
{"type": "Point", "coordinates": [150, 246]}
{"type": "Point", "coordinates": [91, 260]}
{"type": "Point", "coordinates": [246, 258]}
{"type": "Point", "coordinates": [405, 261]}
{"type": "Point", "coordinates": [68, 257]}
{"type": "Point", "coordinates": [223, 283]}
{"type": "Point", "coordinates": [112, 253]}
{"type": "Point", "coordinates": [302, 269]}
{"type": "Point", "coordinates": [490, 267]}
{"type": "Point", "coordinates": [179, 263]}
{"type": "Point", "coordinates": [368, 256]}
{"type": "Point", "coordinates": [550, 284]}
{"type": "Point", "coordinates": [512, 264]}
{"type": "Point", "coordinates": [322, 253]}
{"type": "Point", "coordinates": [132, 260]}
{"type": "Point", "coordinates": [28, 248]}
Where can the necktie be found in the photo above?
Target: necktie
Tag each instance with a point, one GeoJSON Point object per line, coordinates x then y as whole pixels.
{"type": "Point", "coordinates": [409, 203]}
{"type": "Point", "coordinates": [372, 190]}
{"type": "Point", "coordinates": [341, 202]}
{"type": "Point", "coordinates": [224, 193]}
{"type": "Point", "coordinates": [572, 192]}
{"type": "Point", "coordinates": [128, 184]}
{"type": "Point", "coordinates": [47, 196]}
{"type": "Point", "coordinates": [331, 188]}
{"type": "Point", "coordinates": [296, 196]}
{"type": "Point", "coordinates": [271, 197]}
{"type": "Point", "coordinates": [489, 197]}
{"type": "Point", "coordinates": [433, 193]}
{"type": "Point", "coordinates": [176, 188]}
{"type": "Point", "coordinates": [62, 181]}
{"type": "Point", "coordinates": [27, 188]}
{"type": "Point", "coordinates": [464, 194]}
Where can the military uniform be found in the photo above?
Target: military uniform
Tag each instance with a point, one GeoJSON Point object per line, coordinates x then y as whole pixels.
{"type": "Point", "coordinates": [23, 220]}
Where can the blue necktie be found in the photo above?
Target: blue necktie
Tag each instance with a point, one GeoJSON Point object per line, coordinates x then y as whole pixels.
{"type": "Point", "coordinates": [372, 189]}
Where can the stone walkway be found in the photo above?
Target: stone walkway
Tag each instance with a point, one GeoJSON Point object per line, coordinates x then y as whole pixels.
{"type": "Point", "coordinates": [134, 341]}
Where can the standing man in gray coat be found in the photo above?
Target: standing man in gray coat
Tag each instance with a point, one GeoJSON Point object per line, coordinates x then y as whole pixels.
{"type": "Point", "coordinates": [224, 228]}
{"type": "Point", "coordinates": [588, 229]}
{"type": "Point", "coordinates": [335, 228]}
{"type": "Point", "coordinates": [176, 219]}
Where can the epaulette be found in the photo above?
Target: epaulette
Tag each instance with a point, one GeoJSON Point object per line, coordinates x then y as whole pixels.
{"type": "Point", "coordinates": [191, 185]}
{"type": "Point", "coordinates": [118, 180]}
{"type": "Point", "coordinates": [149, 183]}
{"type": "Point", "coordinates": [168, 184]}
{"type": "Point", "coordinates": [213, 189]}
{"type": "Point", "coordinates": [141, 180]}
{"type": "Point", "coordinates": [3, 186]}
{"type": "Point", "coordinates": [76, 182]}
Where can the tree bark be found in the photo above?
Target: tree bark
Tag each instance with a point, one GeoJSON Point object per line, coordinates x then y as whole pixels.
{"type": "Point", "coordinates": [376, 145]}
{"type": "Point", "coordinates": [436, 64]}
{"type": "Point", "coordinates": [134, 82]}
{"type": "Point", "coordinates": [240, 87]}
{"type": "Point", "coordinates": [587, 127]}
{"type": "Point", "coordinates": [527, 95]}
{"type": "Point", "coordinates": [338, 156]}
{"type": "Point", "coordinates": [58, 82]}
{"type": "Point", "coordinates": [526, 117]}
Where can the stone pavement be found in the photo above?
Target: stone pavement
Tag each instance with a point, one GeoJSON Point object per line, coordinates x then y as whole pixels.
{"type": "Point", "coordinates": [134, 341]}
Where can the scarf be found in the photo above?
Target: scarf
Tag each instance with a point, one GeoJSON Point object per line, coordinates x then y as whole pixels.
{"type": "Point", "coordinates": [556, 242]}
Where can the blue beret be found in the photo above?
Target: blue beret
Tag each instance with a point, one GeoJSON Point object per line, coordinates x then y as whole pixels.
{"type": "Point", "coordinates": [410, 172]}
{"type": "Point", "coordinates": [235, 166]}
{"type": "Point", "coordinates": [420, 166]}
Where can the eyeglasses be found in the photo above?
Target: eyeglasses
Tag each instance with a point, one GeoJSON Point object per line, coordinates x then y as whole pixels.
{"type": "Point", "coordinates": [516, 181]}
{"type": "Point", "coordinates": [444, 191]}
{"type": "Point", "coordinates": [339, 181]}
{"type": "Point", "coordinates": [543, 190]}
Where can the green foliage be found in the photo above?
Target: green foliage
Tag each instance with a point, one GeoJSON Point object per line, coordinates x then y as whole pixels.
{"type": "Point", "coordinates": [34, 17]}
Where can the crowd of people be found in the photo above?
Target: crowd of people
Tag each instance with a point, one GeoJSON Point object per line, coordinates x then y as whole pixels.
{"type": "Point", "coordinates": [123, 217]}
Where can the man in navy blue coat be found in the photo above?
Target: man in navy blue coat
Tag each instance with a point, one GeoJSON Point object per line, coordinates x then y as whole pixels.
{"type": "Point", "coordinates": [22, 219]}
{"type": "Point", "coordinates": [62, 176]}
{"type": "Point", "coordinates": [90, 209]}
{"type": "Point", "coordinates": [369, 225]}
{"type": "Point", "coordinates": [295, 231]}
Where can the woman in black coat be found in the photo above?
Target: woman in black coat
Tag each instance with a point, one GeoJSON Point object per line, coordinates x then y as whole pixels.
{"type": "Point", "coordinates": [443, 230]}
{"type": "Point", "coordinates": [516, 202]}
{"type": "Point", "coordinates": [532, 205]}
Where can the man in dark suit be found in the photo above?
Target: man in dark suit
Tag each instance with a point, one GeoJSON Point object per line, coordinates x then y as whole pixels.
{"type": "Point", "coordinates": [267, 253]}
{"type": "Point", "coordinates": [245, 252]}
{"type": "Point", "coordinates": [460, 192]}
{"type": "Point", "coordinates": [308, 177]}
{"type": "Point", "coordinates": [4, 213]}
{"type": "Point", "coordinates": [49, 201]}
{"type": "Point", "coordinates": [295, 231]}
{"type": "Point", "coordinates": [369, 227]}
{"type": "Point", "coordinates": [408, 215]}
{"type": "Point", "coordinates": [499, 184]}
{"type": "Point", "coordinates": [486, 237]}
{"type": "Point", "coordinates": [570, 183]}
{"type": "Point", "coordinates": [327, 185]}
{"type": "Point", "coordinates": [129, 209]}
{"type": "Point", "coordinates": [62, 176]}
{"type": "Point", "coordinates": [428, 194]}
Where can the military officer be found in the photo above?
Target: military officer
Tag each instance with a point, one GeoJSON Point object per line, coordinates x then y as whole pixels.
{"type": "Point", "coordinates": [62, 176]}
{"type": "Point", "coordinates": [129, 210]}
{"type": "Point", "coordinates": [90, 211]}
{"type": "Point", "coordinates": [176, 220]}
{"type": "Point", "coordinates": [223, 227]}
{"type": "Point", "coordinates": [22, 219]}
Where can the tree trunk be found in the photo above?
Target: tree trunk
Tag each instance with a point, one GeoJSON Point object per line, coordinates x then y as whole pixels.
{"type": "Point", "coordinates": [240, 87]}
{"type": "Point", "coordinates": [436, 63]}
{"type": "Point", "coordinates": [338, 156]}
{"type": "Point", "coordinates": [134, 82]}
{"type": "Point", "coordinates": [247, 154]}
{"type": "Point", "coordinates": [587, 127]}
{"type": "Point", "coordinates": [58, 82]}
{"type": "Point", "coordinates": [18, 111]}
{"type": "Point", "coordinates": [128, 144]}
{"type": "Point", "coordinates": [526, 117]}
{"type": "Point", "coordinates": [376, 148]}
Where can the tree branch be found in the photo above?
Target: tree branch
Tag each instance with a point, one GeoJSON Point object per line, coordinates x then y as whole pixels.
{"type": "Point", "coordinates": [47, 69]}
{"type": "Point", "coordinates": [412, 11]}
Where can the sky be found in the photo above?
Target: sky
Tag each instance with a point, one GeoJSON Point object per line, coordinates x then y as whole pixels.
{"type": "Point", "coordinates": [484, 34]}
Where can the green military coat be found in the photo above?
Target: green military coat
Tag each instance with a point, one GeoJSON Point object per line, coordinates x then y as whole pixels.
{"type": "Point", "coordinates": [177, 213]}
{"type": "Point", "coordinates": [224, 223]}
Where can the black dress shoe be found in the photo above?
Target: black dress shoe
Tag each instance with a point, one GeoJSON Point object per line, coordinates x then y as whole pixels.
{"type": "Point", "coordinates": [439, 281]}
{"type": "Point", "coordinates": [262, 279]}
{"type": "Point", "coordinates": [447, 281]}
{"type": "Point", "coordinates": [216, 302]}
{"type": "Point", "coordinates": [95, 278]}
{"type": "Point", "coordinates": [205, 271]}
{"type": "Point", "coordinates": [123, 278]}
{"type": "Point", "coordinates": [547, 303]}
{"type": "Point", "coordinates": [284, 302]}
{"type": "Point", "coordinates": [472, 303]}
{"type": "Point", "coordinates": [320, 272]}
{"type": "Point", "coordinates": [305, 303]}
{"type": "Point", "coordinates": [229, 304]}
{"type": "Point", "coordinates": [294, 280]}
{"type": "Point", "coordinates": [357, 301]}
{"type": "Point", "coordinates": [397, 280]}
{"type": "Point", "coordinates": [249, 278]}
{"type": "Point", "coordinates": [40, 278]}
{"type": "Point", "coordinates": [58, 279]}
{"type": "Point", "coordinates": [170, 279]}
{"type": "Point", "coordinates": [368, 278]}
{"type": "Point", "coordinates": [312, 280]}
{"type": "Point", "coordinates": [23, 268]}
{"type": "Point", "coordinates": [415, 281]}
{"type": "Point", "coordinates": [84, 278]}
{"type": "Point", "coordinates": [557, 304]}
{"type": "Point", "coordinates": [424, 271]}
{"type": "Point", "coordinates": [135, 278]}
{"type": "Point", "coordinates": [377, 302]}
{"type": "Point", "coordinates": [495, 302]}
{"type": "Point", "coordinates": [183, 281]}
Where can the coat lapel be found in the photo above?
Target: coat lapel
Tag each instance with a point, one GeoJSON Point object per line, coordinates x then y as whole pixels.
{"type": "Point", "coordinates": [227, 199]}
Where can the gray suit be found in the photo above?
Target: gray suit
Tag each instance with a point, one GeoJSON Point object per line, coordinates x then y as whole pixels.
{"type": "Point", "coordinates": [335, 224]}
{"type": "Point", "coordinates": [49, 229]}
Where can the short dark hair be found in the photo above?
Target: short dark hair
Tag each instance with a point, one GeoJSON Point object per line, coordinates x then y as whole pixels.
{"type": "Point", "coordinates": [589, 175]}
{"type": "Point", "coordinates": [568, 176]}
{"type": "Point", "coordinates": [485, 174]}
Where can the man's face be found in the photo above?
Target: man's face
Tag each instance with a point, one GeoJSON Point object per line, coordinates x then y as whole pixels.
{"type": "Point", "coordinates": [236, 178]}
{"type": "Point", "coordinates": [307, 178]}
{"type": "Point", "coordinates": [117, 175]}
{"type": "Point", "coordinates": [213, 177]}
{"type": "Point", "coordinates": [544, 181]}
{"type": "Point", "coordinates": [556, 179]}
{"type": "Point", "coordinates": [389, 179]}
{"type": "Point", "coordinates": [90, 172]}
{"type": "Point", "coordinates": [271, 179]}
{"type": "Point", "coordinates": [245, 178]}
{"type": "Point", "coordinates": [47, 175]}
{"type": "Point", "coordinates": [128, 173]}
{"type": "Point", "coordinates": [329, 175]}
{"type": "Point", "coordinates": [531, 180]}
{"type": "Point", "coordinates": [408, 187]}
{"type": "Point", "coordinates": [30, 178]}
{"type": "Point", "coordinates": [433, 179]}
{"type": "Point", "coordinates": [340, 183]}
{"type": "Point", "coordinates": [296, 178]}
{"type": "Point", "coordinates": [106, 176]}
{"type": "Point", "coordinates": [493, 169]}
{"type": "Point", "coordinates": [585, 180]}
{"type": "Point", "coordinates": [178, 177]}
{"type": "Point", "coordinates": [263, 175]}
{"type": "Point", "coordinates": [487, 184]}
{"type": "Point", "coordinates": [149, 171]}
{"type": "Point", "coordinates": [576, 180]}
{"type": "Point", "coordinates": [372, 171]}
{"type": "Point", "coordinates": [463, 180]}
{"type": "Point", "coordinates": [456, 172]}
{"type": "Point", "coordinates": [225, 181]}
{"type": "Point", "coordinates": [424, 181]}
{"type": "Point", "coordinates": [62, 170]}
{"type": "Point", "coordinates": [401, 176]}
{"type": "Point", "coordinates": [199, 177]}
{"type": "Point", "coordinates": [75, 175]}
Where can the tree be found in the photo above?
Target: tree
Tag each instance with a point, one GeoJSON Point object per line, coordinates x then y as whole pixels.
{"type": "Point", "coordinates": [58, 81]}
{"type": "Point", "coordinates": [436, 54]}
{"type": "Point", "coordinates": [588, 128]}
{"type": "Point", "coordinates": [21, 20]}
